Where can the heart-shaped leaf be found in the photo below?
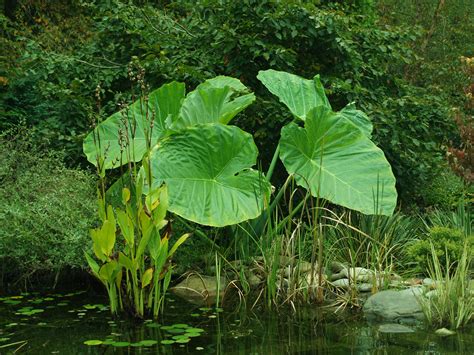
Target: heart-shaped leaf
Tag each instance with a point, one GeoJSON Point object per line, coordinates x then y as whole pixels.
{"type": "Point", "coordinates": [339, 163]}
{"type": "Point", "coordinates": [298, 94]}
{"type": "Point", "coordinates": [217, 100]}
{"type": "Point", "coordinates": [207, 169]}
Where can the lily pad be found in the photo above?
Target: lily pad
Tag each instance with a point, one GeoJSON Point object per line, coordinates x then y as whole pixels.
{"type": "Point", "coordinates": [179, 337]}
{"type": "Point", "coordinates": [149, 342]}
{"type": "Point", "coordinates": [195, 330]}
{"type": "Point", "coordinates": [175, 330]}
{"type": "Point", "coordinates": [93, 342]}
{"type": "Point", "coordinates": [167, 342]}
{"type": "Point", "coordinates": [180, 326]}
{"type": "Point", "coordinates": [12, 302]}
{"type": "Point", "coordinates": [192, 335]}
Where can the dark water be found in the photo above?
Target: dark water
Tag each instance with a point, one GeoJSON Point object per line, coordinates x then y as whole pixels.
{"type": "Point", "coordinates": [63, 323]}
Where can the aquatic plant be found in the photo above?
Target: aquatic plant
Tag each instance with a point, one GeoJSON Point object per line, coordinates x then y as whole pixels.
{"type": "Point", "coordinates": [451, 303]}
{"type": "Point", "coordinates": [202, 167]}
{"type": "Point", "coordinates": [191, 163]}
{"type": "Point", "coordinates": [205, 163]}
{"type": "Point", "coordinates": [332, 156]}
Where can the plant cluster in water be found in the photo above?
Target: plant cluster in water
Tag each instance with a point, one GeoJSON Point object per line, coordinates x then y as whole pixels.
{"type": "Point", "coordinates": [183, 156]}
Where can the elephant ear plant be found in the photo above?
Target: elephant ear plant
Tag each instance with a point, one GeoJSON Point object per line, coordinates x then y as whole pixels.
{"type": "Point", "coordinates": [329, 154]}
{"type": "Point", "coordinates": [181, 156]}
{"type": "Point", "coordinates": [332, 155]}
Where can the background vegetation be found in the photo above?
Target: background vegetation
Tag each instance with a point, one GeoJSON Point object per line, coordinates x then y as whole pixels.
{"type": "Point", "coordinates": [400, 61]}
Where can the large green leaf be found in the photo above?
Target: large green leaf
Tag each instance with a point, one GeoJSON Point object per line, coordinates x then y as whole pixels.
{"type": "Point", "coordinates": [357, 118]}
{"type": "Point", "coordinates": [298, 94]}
{"type": "Point", "coordinates": [339, 163]}
{"type": "Point", "coordinates": [135, 121]}
{"type": "Point", "coordinates": [217, 100]}
{"type": "Point", "coordinates": [207, 169]}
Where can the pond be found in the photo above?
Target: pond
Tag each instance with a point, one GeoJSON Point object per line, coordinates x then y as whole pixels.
{"type": "Point", "coordinates": [65, 323]}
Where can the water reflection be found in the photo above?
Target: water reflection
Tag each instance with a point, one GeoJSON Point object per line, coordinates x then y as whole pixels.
{"type": "Point", "coordinates": [67, 322]}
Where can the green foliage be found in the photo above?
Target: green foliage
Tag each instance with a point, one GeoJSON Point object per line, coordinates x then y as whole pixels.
{"type": "Point", "coordinates": [451, 303]}
{"type": "Point", "coordinates": [46, 209]}
{"type": "Point", "coordinates": [332, 156]}
{"type": "Point", "coordinates": [461, 218]}
{"type": "Point", "coordinates": [50, 73]}
{"type": "Point", "coordinates": [208, 170]}
{"type": "Point", "coordinates": [60, 60]}
{"type": "Point", "coordinates": [438, 48]}
{"type": "Point", "coordinates": [446, 243]}
{"type": "Point", "coordinates": [206, 165]}
{"type": "Point", "coordinates": [376, 242]}
{"type": "Point", "coordinates": [444, 191]}
{"type": "Point", "coordinates": [136, 268]}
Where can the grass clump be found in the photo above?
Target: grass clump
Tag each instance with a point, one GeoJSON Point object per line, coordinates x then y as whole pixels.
{"type": "Point", "coordinates": [452, 302]}
{"type": "Point", "coordinates": [46, 210]}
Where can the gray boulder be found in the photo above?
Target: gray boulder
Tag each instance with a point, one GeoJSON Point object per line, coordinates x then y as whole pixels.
{"type": "Point", "coordinates": [395, 328]}
{"type": "Point", "coordinates": [199, 290]}
{"type": "Point", "coordinates": [395, 305]}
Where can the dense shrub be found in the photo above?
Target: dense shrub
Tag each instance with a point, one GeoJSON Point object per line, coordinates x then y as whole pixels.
{"type": "Point", "coordinates": [444, 191]}
{"type": "Point", "coordinates": [46, 210]}
{"type": "Point", "coordinates": [448, 245]}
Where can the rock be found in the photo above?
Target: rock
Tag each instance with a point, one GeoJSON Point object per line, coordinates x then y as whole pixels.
{"type": "Point", "coordinates": [345, 283]}
{"type": "Point", "coordinates": [365, 287]}
{"type": "Point", "coordinates": [199, 290]}
{"type": "Point", "coordinates": [302, 267]}
{"type": "Point", "coordinates": [337, 276]}
{"type": "Point", "coordinates": [342, 283]}
{"type": "Point", "coordinates": [336, 267]}
{"type": "Point", "coordinates": [431, 293]}
{"type": "Point", "coordinates": [443, 332]}
{"type": "Point", "coordinates": [354, 273]}
{"type": "Point", "coordinates": [358, 274]}
{"type": "Point", "coordinates": [395, 328]}
{"type": "Point", "coordinates": [305, 266]}
{"type": "Point", "coordinates": [395, 305]}
{"type": "Point", "coordinates": [313, 281]}
{"type": "Point", "coordinates": [430, 283]}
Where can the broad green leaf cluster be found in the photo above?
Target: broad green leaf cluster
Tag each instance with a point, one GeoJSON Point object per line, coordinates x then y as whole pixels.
{"type": "Point", "coordinates": [205, 163]}
{"type": "Point", "coordinates": [332, 156]}
{"type": "Point", "coordinates": [197, 166]}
